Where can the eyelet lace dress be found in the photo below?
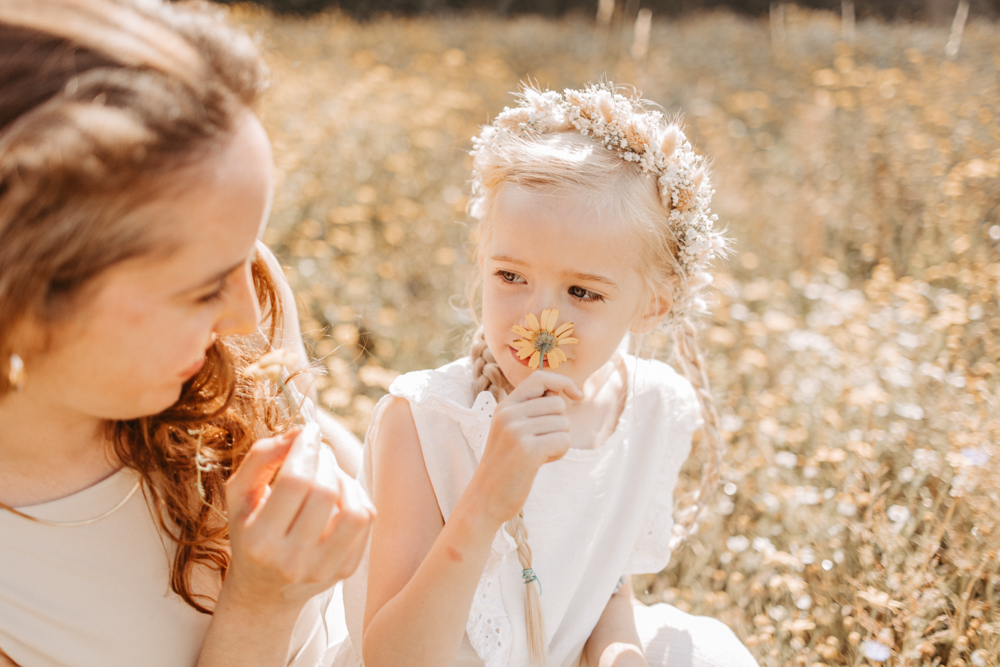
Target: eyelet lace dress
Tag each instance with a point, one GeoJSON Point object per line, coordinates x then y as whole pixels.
{"type": "Point", "coordinates": [592, 516]}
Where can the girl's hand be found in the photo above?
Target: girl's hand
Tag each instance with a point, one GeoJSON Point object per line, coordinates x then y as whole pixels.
{"type": "Point", "coordinates": [530, 428]}
{"type": "Point", "coordinates": [298, 537]}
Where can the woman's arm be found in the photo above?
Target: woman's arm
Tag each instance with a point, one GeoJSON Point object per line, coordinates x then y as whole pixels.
{"type": "Point", "coordinates": [614, 641]}
{"type": "Point", "coordinates": [290, 541]}
{"type": "Point", "coordinates": [345, 446]}
{"type": "Point", "coordinates": [423, 572]}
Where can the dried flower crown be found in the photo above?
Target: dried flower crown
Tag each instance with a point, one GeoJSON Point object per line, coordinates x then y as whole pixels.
{"type": "Point", "coordinates": [643, 136]}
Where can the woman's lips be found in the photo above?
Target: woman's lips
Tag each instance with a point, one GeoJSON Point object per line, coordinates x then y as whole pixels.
{"type": "Point", "coordinates": [193, 369]}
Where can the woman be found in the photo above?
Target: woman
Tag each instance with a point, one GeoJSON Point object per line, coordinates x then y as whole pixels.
{"type": "Point", "coordinates": [138, 525]}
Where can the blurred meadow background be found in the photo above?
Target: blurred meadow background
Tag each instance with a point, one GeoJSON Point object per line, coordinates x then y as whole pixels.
{"type": "Point", "coordinates": [853, 342]}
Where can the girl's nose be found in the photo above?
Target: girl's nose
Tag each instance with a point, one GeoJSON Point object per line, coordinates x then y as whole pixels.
{"type": "Point", "coordinates": [242, 312]}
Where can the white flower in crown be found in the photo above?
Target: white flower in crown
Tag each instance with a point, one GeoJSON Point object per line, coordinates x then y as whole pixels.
{"type": "Point", "coordinates": [643, 136]}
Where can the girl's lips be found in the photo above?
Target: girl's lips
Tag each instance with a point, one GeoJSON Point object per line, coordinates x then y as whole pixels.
{"type": "Point", "coordinates": [513, 352]}
{"type": "Point", "coordinates": [523, 362]}
{"type": "Point", "coordinates": [193, 369]}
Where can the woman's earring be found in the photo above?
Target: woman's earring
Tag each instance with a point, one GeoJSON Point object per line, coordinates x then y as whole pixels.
{"type": "Point", "coordinates": [16, 375]}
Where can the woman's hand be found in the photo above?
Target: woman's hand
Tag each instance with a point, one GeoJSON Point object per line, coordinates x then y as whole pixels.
{"type": "Point", "coordinates": [298, 537]}
{"type": "Point", "coordinates": [530, 428]}
{"type": "Point", "coordinates": [290, 540]}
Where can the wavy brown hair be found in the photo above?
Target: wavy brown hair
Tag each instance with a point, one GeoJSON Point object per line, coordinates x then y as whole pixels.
{"type": "Point", "coordinates": [102, 99]}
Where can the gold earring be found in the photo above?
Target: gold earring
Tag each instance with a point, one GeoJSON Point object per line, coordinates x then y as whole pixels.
{"type": "Point", "coordinates": [16, 375]}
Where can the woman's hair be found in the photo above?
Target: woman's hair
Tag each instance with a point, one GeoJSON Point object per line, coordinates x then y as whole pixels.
{"type": "Point", "coordinates": [102, 100]}
{"type": "Point", "coordinates": [539, 146]}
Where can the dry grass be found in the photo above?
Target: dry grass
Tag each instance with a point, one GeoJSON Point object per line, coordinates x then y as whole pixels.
{"type": "Point", "coordinates": [853, 344]}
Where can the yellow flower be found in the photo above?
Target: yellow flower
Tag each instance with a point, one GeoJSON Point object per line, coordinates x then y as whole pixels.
{"type": "Point", "coordinates": [543, 339]}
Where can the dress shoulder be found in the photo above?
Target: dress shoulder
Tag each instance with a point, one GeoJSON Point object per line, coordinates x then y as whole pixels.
{"type": "Point", "coordinates": [448, 385]}
{"type": "Point", "coordinates": [659, 389]}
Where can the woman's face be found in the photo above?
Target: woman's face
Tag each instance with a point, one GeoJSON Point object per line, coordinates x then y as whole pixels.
{"type": "Point", "coordinates": [144, 328]}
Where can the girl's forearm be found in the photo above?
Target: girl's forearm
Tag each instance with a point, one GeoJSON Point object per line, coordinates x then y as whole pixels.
{"type": "Point", "coordinates": [243, 634]}
{"type": "Point", "coordinates": [423, 625]}
{"type": "Point", "coordinates": [614, 640]}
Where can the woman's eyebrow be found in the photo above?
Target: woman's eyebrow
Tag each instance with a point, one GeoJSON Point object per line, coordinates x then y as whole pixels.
{"type": "Point", "coordinates": [215, 278]}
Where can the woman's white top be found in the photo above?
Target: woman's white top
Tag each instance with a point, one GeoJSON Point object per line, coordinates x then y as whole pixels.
{"type": "Point", "coordinates": [592, 516]}
{"type": "Point", "coordinates": [99, 595]}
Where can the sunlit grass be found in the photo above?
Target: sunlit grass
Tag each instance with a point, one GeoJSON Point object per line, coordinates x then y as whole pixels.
{"type": "Point", "coordinates": [853, 343]}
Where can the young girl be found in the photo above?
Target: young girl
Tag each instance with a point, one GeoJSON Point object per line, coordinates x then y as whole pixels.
{"type": "Point", "coordinates": [519, 487]}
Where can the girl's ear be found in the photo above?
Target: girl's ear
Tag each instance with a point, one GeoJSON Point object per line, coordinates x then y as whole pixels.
{"type": "Point", "coordinates": [657, 308]}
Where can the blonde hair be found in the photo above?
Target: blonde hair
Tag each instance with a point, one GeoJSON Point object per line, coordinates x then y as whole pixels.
{"type": "Point", "coordinates": [102, 100]}
{"type": "Point", "coordinates": [556, 158]}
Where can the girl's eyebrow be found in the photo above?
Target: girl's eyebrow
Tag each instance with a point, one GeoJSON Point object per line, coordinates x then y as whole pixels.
{"type": "Point", "coordinates": [592, 277]}
{"type": "Point", "coordinates": [508, 260]}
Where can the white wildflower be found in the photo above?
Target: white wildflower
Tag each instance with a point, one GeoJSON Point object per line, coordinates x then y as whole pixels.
{"type": "Point", "coordinates": [737, 544]}
{"type": "Point", "coordinates": [874, 650]}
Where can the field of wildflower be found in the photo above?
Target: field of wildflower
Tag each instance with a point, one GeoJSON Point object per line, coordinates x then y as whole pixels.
{"type": "Point", "coordinates": [853, 344]}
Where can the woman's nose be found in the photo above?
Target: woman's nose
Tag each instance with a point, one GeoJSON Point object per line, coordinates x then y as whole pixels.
{"type": "Point", "coordinates": [242, 312]}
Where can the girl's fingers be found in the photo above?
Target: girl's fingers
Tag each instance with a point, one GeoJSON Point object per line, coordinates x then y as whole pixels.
{"type": "Point", "coordinates": [544, 405]}
{"type": "Point", "coordinates": [539, 382]}
{"type": "Point", "coordinates": [553, 445]}
{"type": "Point", "coordinates": [248, 485]}
{"type": "Point", "coordinates": [549, 424]}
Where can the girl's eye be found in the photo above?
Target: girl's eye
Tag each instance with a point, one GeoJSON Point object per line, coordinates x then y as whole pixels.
{"type": "Point", "coordinates": [509, 277]}
{"type": "Point", "coordinates": [584, 294]}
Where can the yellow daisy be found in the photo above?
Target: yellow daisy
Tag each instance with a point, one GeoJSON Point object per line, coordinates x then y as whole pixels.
{"type": "Point", "coordinates": [543, 339]}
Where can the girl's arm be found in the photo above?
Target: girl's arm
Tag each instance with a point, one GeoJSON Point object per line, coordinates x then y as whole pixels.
{"type": "Point", "coordinates": [423, 572]}
{"type": "Point", "coordinates": [290, 541]}
{"type": "Point", "coordinates": [614, 641]}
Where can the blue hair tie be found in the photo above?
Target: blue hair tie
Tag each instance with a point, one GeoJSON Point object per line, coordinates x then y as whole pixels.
{"type": "Point", "coordinates": [529, 576]}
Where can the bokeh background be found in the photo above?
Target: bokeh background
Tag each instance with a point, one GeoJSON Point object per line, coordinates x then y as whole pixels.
{"type": "Point", "coordinates": [853, 340]}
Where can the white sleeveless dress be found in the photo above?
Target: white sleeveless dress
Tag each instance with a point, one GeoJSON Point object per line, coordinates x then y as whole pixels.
{"type": "Point", "coordinates": [592, 517]}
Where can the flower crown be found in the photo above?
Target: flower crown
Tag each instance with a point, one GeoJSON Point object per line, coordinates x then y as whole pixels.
{"type": "Point", "coordinates": [643, 136]}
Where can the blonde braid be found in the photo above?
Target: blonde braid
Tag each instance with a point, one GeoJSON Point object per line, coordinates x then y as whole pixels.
{"type": "Point", "coordinates": [486, 370]}
{"type": "Point", "coordinates": [533, 620]}
{"type": "Point", "coordinates": [489, 377]}
{"type": "Point", "coordinates": [688, 359]}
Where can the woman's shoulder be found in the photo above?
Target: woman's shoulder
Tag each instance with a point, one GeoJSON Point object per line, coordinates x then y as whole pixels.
{"type": "Point", "coordinates": [451, 384]}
